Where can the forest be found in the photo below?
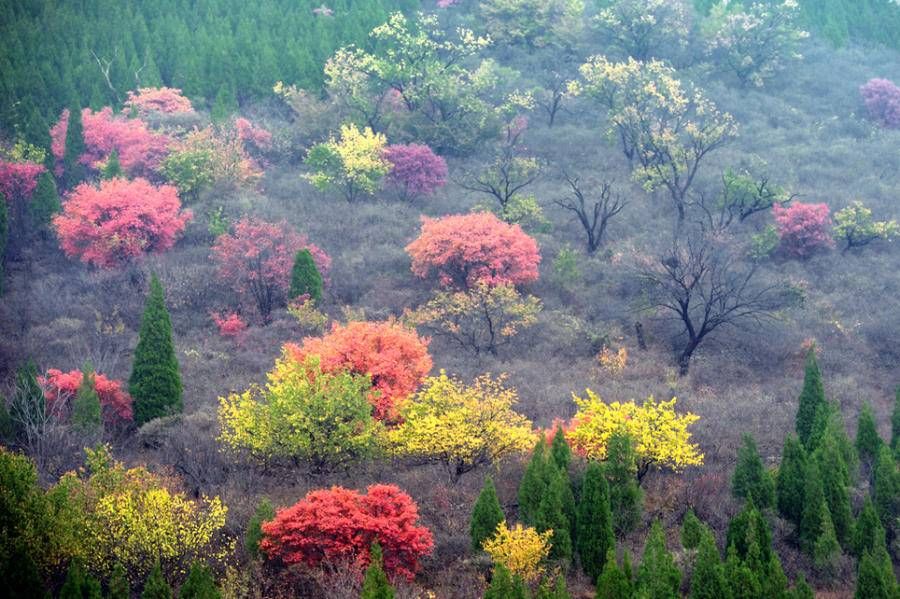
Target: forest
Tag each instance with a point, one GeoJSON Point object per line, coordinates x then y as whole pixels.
{"type": "Point", "coordinates": [476, 299]}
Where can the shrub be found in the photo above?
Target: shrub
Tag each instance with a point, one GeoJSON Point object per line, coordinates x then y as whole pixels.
{"type": "Point", "coordinates": [354, 165]}
{"type": "Point", "coordinates": [415, 169]}
{"type": "Point", "coordinates": [855, 226]}
{"type": "Point", "coordinates": [803, 228]}
{"type": "Point", "coordinates": [61, 387]}
{"type": "Point", "coordinates": [166, 100]}
{"type": "Point", "coordinates": [230, 324]}
{"type": "Point", "coordinates": [305, 277]}
{"type": "Point", "coordinates": [882, 100]}
{"type": "Point", "coordinates": [520, 550]}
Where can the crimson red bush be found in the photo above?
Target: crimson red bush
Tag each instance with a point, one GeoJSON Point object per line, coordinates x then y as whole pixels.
{"type": "Point", "coordinates": [61, 387]}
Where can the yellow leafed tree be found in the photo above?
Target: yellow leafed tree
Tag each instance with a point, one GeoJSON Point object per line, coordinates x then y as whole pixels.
{"type": "Point", "coordinates": [521, 550]}
{"type": "Point", "coordinates": [353, 164]}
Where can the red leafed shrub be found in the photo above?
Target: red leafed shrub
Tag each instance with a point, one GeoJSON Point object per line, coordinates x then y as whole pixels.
{"type": "Point", "coordinates": [140, 150]}
{"type": "Point", "coordinates": [466, 249]}
{"type": "Point", "coordinates": [61, 387]}
{"type": "Point", "coordinates": [415, 169]}
{"type": "Point", "coordinates": [111, 224]}
{"type": "Point", "coordinates": [338, 525]}
{"type": "Point", "coordinates": [230, 325]}
{"type": "Point", "coordinates": [882, 100]}
{"type": "Point", "coordinates": [18, 180]}
{"type": "Point", "coordinates": [166, 100]}
{"type": "Point", "coordinates": [251, 136]}
{"type": "Point", "coordinates": [803, 228]}
{"type": "Point", "coordinates": [394, 356]}
{"type": "Point", "coordinates": [257, 257]}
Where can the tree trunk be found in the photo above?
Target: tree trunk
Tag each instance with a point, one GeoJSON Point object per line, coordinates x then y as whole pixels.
{"type": "Point", "coordinates": [639, 331]}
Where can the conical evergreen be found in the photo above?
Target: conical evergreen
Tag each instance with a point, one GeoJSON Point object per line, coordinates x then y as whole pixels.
{"type": "Point", "coordinates": [746, 528]}
{"type": "Point", "coordinates": [264, 513]}
{"type": "Point", "coordinates": [73, 171]}
{"type": "Point", "coordinates": [875, 579]}
{"type": "Point", "coordinates": [119, 587]}
{"type": "Point", "coordinates": [751, 480]}
{"type": "Point", "coordinates": [199, 584]}
{"type": "Point", "coordinates": [533, 484]}
{"type": "Point", "coordinates": [692, 530]}
{"type": "Point", "coordinates": [826, 547]}
{"type": "Point", "coordinates": [155, 384]}
{"type": "Point", "coordinates": [112, 169]}
{"type": "Point", "coordinates": [742, 581]}
{"type": "Point", "coordinates": [305, 277]}
{"type": "Point", "coordinates": [613, 582]}
{"type": "Point", "coordinates": [79, 584]}
{"type": "Point", "coordinates": [501, 586]}
{"type": "Point", "coordinates": [86, 412]}
{"type": "Point", "coordinates": [886, 492]}
{"type": "Point", "coordinates": [625, 496]}
{"type": "Point", "coordinates": [790, 482]}
{"type": "Point", "coordinates": [551, 515]}
{"type": "Point", "coordinates": [594, 537]}
{"type": "Point", "coordinates": [560, 451]}
{"type": "Point", "coordinates": [375, 583]}
{"type": "Point", "coordinates": [811, 522]}
{"type": "Point", "coordinates": [802, 589]}
{"type": "Point", "coordinates": [487, 514]}
{"type": "Point", "coordinates": [774, 582]}
{"type": "Point", "coordinates": [553, 590]}
{"type": "Point", "coordinates": [708, 580]}
{"type": "Point", "coordinates": [811, 398]}
{"type": "Point", "coordinates": [867, 439]}
{"type": "Point", "coordinates": [658, 577]}
{"type": "Point", "coordinates": [156, 587]}
{"type": "Point", "coordinates": [833, 472]}
{"type": "Point", "coordinates": [45, 200]}
{"type": "Point", "coordinates": [868, 533]}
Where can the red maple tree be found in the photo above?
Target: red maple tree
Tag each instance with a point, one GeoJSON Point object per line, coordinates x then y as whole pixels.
{"type": "Point", "coordinates": [394, 356]}
{"type": "Point", "coordinates": [338, 525]}
{"type": "Point", "coordinates": [257, 257]}
{"type": "Point", "coordinates": [61, 387]}
{"type": "Point", "coordinates": [119, 220]}
{"type": "Point", "coordinates": [465, 249]}
{"type": "Point", "coordinates": [803, 228]}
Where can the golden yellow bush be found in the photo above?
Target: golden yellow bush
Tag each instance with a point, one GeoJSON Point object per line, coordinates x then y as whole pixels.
{"type": "Point", "coordinates": [521, 550]}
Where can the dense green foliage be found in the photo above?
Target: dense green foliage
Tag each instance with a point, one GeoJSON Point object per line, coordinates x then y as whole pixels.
{"type": "Point", "coordinates": [812, 398]}
{"type": "Point", "coordinates": [375, 583]}
{"type": "Point", "coordinates": [200, 584]}
{"type": "Point", "coordinates": [253, 535]}
{"type": "Point", "coordinates": [751, 480]}
{"type": "Point", "coordinates": [305, 277]}
{"type": "Point", "coordinates": [86, 415]}
{"type": "Point", "coordinates": [156, 587]}
{"type": "Point", "coordinates": [594, 536]}
{"type": "Point", "coordinates": [657, 576]}
{"type": "Point", "coordinates": [486, 515]}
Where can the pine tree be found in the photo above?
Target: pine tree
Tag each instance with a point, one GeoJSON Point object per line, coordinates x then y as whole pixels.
{"type": "Point", "coordinates": [742, 582]}
{"type": "Point", "coordinates": [751, 480]}
{"type": "Point", "coordinates": [833, 472]}
{"type": "Point", "coordinates": [692, 530]}
{"type": "Point", "coordinates": [73, 170]}
{"type": "Point", "coordinates": [868, 534]}
{"type": "Point", "coordinates": [45, 200]}
{"type": "Point", "coordinates": [155, 384]}
{"type": "Point", "coordinates": [746, 528]}
{"type": "Point", "coordinates": [556, 590]}
{"type": "Point", "coordinates": [79, 584]}
{"type": "Point", "coordinates": [658, 577]}
{"type": "Point", "coordinates": [375, 583]}
{"type": "Point", "coordinates": [625, 496]}
{"type": "Point", "coordinates": [790, 482]}
{"type": "Point", "coordinates": [886, 493]}
{"type": "Point", "coordinates": [708, 580]}
{"type": "Point", "coordinates": [560, 450]}
{"type": "Point", "coordinates": [826, 547]}
{"type": "Point", "coordinates": [86, 414]}
{"type": "Point", "coordinates": [867, 439]}
{"type": "Point", "coordinates": [112, 169]}
{"type": "Point", "coordinates": [613, 582]}
{"type": "Point", "coordinates": [594, 537]}
{"type": "Point", "coordinates": [811, 398]}
{"type": "Point", "coordinates": [802, 589]}
{"type": "Point", "coordinates": [774, 582]}
{"type": "Point", "coordinates": [305, 277]}
{"type": "Point", "coordinates": [264, 513]}
{"type": "Point", "coordinates": [7, 428]}
{"type": "Point", "coordinates": [551, 515]}
{"type": "Point", "coordinates": [156, 587]}
{"type": "Point", "coordinates": [895, 422]}
{"type": "Point", "coordinates": [875, 581]}
{"type": "Point", "coordinates": [119, 588]}
{"type": "Point", "coordinates": [199, 584]}
{"type": "Point", "coordinates": [487, 514]}
{"type": "Point", "coordinates": [533, 484]}
{"type": "Point", "coordinates": [812, 523]}
{"type": "Point", "coordinates": [501, 586]}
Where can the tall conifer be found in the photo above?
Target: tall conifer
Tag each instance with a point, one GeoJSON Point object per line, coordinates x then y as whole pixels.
{"type": "Point", "coordinates": [305, 277]}
{"type": "Point", "coordinates": [533, 484]}
{"type": "Point", "coordinates": [625, 496]}
{"type": "Point", "coordinates": [375, 583]}
{"type": "Point", "coordinates": [658, 577]}
{"type": "Point", "coordinates": [811, 398]}
{"type": "Point", "coordinates": [594, 537]}
{"type": "Point", "coordinates": [487, 514]}
{"type": "Point", "coordinates": [708, 579]}
{"type": "Point", "coordinates": [790, 483]}
{"type": "Point", "coordinates": [751, 480]}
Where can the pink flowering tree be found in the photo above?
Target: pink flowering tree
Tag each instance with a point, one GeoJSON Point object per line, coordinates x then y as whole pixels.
{"type": "Point", "coordinates": [882, 100]}
{"type": "Point", "coordinates": [164, 100]}
{"type": "Point", "coordinates": [251, 136]}
{"type": "Point", "coordinates": [415, 169]}
{"type": "Point", "coordinates": [803, 228]}
{"type": "Point", "coordinates": [17, 183]}
{"type": "Point", "coordinates": [61, 387]}
{"type": "Point", "coordinates": [256, 261]}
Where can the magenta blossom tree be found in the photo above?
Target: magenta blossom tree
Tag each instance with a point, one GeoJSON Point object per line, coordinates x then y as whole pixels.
{"type": "Point", "coordinates": [803, 228]}
{"type": "Point", "coordinates": [882, 100]}
{"type": "Point", "coordinates": [415, 169]}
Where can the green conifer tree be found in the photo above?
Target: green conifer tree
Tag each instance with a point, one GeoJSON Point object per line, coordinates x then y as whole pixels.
{"type": "Point", "coordinates": [253, 535]}
{"type": "Point", "coordinates": [708, 580]}
{"type": "Point", "coordinates": [774, 582]}
{"type": "Point", "coordinates": [119, 587]}
{"type": "Point", "coordinates": [802, 589]}
{"type": "Point", "coordinates": [594, 537]}
{"type": "Point", "coordinates": [746, 528]}
{"type": "Point", "coordinates": [501, 586]}
{"type": "Point", "coordinates": [79, 584]}
{"type": "Point", "coordinates": [895, 422]}
{"type": "Point", "coordinates": [45, 200]}
{"type": "Point", "coordinates": [487, 514]}
{"type": "Point", "coordinates": [305, 277]}
{"type": "Point", "coordinates": [751, 480]}
{"type": "Point", "coordinates": [155, 384]}
{"type": "Point", "coordinates": [375, 583]}
{"type": "Point", "coordinates": [886, 492]}
{"type": "Point", "coordinates": [560, 450]}
{"type": "Point", "coordinates": [112, 169]}
{"type": "Point", "coordinates": [811, 523]}
{"type": "Point", "coordinates": [826, 547]}
{"type": "Point", "coordinates": [553, 590]}
{"type": "Point", "coordinates": [533, 484]}
{"type": "Point", "coordinates": [811, 398]}
{"type": "Point", "coordinates": [73, 170]}
{"type": "Point", "coordinates": [658, 577]}
{"type": "Point", "coordinates": [742, 581]}
{"type": "Point", "coordinates": [790, 482]}
{"type": "Point", "coordinates": [613, 582]}
{"type": "Point", "coordinates": [86, 411]}
{"type": "Point", "coordinates": [28, 404]}
{"type": "Point", "coordinates": [867, 439]}
{"type": "Point", "coordinates": [199, 584]}
{"type": "Point", "coordinates": [156, 587]}
{"type": "Point", "coordinates": [833, 473]}
{"type": "Point", "coordinates": [7, 428]}
{"type": "Point", "coordinates": [551, 515]}
{"type": "Point", "coordinates": [874, 581]}
{"type": "Point", "coordinates": [868, 534]}
{"type": "Point", "coordinates": [692, 530]}
{"type": "Point", "coordinates": [625, 496]}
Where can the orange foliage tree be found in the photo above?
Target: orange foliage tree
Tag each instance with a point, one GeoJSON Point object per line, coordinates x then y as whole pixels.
{"type": "Point", "coordinates": [119, 220]}
{"type": "Point", "coordinates": [337, 525]}
{"type": "Point", "coordinates": [465, 249]}
{"type": "Point", "coordinates": [394, 356]}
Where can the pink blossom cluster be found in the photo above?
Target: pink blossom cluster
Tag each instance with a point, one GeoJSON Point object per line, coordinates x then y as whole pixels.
{"type": "Point", "coordinates": [803, 228]}
{"type": "Point", "coordinates": [415, 169]}
{"type": "Point", "coordinates": [251, 135]}
{"type": "Point", "coordinates": [882, 100]}
{"type": "Point", "coordinates": [166, 100]}
{"type": "Point", "coordinates": [18, 179]}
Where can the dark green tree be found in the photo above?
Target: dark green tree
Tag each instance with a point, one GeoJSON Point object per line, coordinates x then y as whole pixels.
{"type": "Point", "coordinates": [560, 450]}
{"type": "Point", "coordinates": [751, 480]}
{"type": "Point", "coordinates": [833, 472]}
{"type": "Point", "coordinates": [487, 514]}
{"type": "Point", "coordinates": [86, 412]}
{"type": "Point", "coordinates": [895, 422]}
{"type": "Point", "coordinates": [868, 534]}
{"type": "Point", "coordinates": [533, 484]}
{"type": "Point", "coordinates": [876, 577]}
{"type": "Point", "coordinates": [625, 496]}
{"type": "Point", "coordinates": [504, 586]}
{"type": "Point", "coordinates": [708, 580]}
{"type": "Point", "coordinates": [658, 577]}
{"type": "Point", "coordinates": [73, 170]}
{"type": "Point", "coordinates": [305, 277]}
{"type": "Point", "coordinates": [155, 383]}
{"type": "Point", "coordinates": [7, 428]}
{"type": "Point", "coordinates": [613, 583]}
{"type": "Point", "coordinates": [28, 405]}
{"type": "Point", "coordinates": [264, 513]}
{"type": "Point", "coordinates": [375, 583]}
{"type": "Point", "coordinates": [802, 589]}
{"type": "Point", "coordinates": [199, 584]}
{"type": "Point", "coordinates": [112, 169]}
{"type": "Point", "coordinates": [790, 481]}
{"type": "Point", "coordinates": [553, 590]}
{"type": "Point", "coordinates": [692, 530]}
{"type": "Point", "coordinates": [156, 587]}
{"type": "Point", "coordinates": [79, 584]}
{"type": "Point", "coordinates": [594, 536]}
{"type": "Point", "coordinates": [742, 581]}
{"type": "Point", "coordinates": [867, 439]}
{"type": "Point", "coordinates": [551, 515]}
{"type": "Point", "coordinates": [886, 492]}
{"type": "Point", "coordinates": [45, 200]}
{"type": "Point", "coordinates": [119, 587]}
{"type": "Point", "coordinates": [826, 547]}
{"type": "Point", "coordinates": [748, 527]}
{"type": "Point", "coordinates": [812, 522]}
{"type": "Point", "coordinates": [811, 398]}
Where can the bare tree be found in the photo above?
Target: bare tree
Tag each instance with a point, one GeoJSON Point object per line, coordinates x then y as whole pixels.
{"type": "Point", "coordinates": [593, 218]}
{"type": "Point", "coordinates": [503, 179]}
{"type": "Point", "coordinates": [705, 283]}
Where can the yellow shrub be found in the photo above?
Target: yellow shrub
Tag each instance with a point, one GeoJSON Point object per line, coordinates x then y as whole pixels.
{"type": "Point", "coordinates": [521, 550]}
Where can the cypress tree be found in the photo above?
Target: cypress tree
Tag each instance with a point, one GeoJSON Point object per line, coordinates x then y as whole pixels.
{"type": "Point", "coordinates": [156, 587]}
{"type": "Point", "coordinates": [658, 577]}
{"type": "Point", "coordinates": [746, 528]}
{"type": "Point", "coordinates": [556, 590]}
{"type": "Point", "coordinates": [895, 422]}
{"type": "Point", "coordinates": [594, 537]}
{"type": "Point", "coordinates": [826, 546]}
{"type": "Point", "coordinates": [708, 580]}
{"type": "Point", "coordinates": [501, 586]}
{"type": "Point", "coordinates": [305, 277]}
{"type": "Point", "coordinates": [45, 200]}
{"type": "Point", "coordinates": [560, 450]}
{"type": "Point", "coordinates": [4, 237]}
{"type": "Point", "coordinates": [790, 482]}
{"type": "Point", "coordinates": [833, 472]}
{"type": "Point", "coordinates": [155, 384]}
{"type": "Point", "coordinates": [375, 584]}
{"type": "Point", "coordinates": [625, 496]}
{"type": "Point", "coordinates": [774, 582]}
{"type": "Point", "coordinates": [112, 169]}
{"type": "Point", "coordinates": [533, 484]}
{"type": "Point", "coordinates": [86, 413]}
{"type": "Point", "coordinates": [486, 515]}
{"type": "Point", "coordinates": [264, 513]}
{"type": "Point", "coordinates": [551, 515]}
{"type": "Point", "coordinates": [751, 480]}
{"type": "Point", "coordinates": [886, 489]}
{"type": "Point", "coordinates": [199, 584]}
{"type": "Point", "coordinates": [742, 581]}
{"type": "Point", "coordinates": [868, 534]}
{"type": "Point", "coordinates": [802, 589]}
{"type": "Point", "coordinates": [874, 580]}
{"type": "Point", "coordinates": [79, 584]}
{"type": "Point", "coordinates": [867, 439]}
{"type": "Point", "coordinates": [811, 398]}
{"type": "Point", "coordinates": [73, 171]}
{"type": "Point", "coordinates": [119, 588]}
{"type": "Point", "coordinates": [692, 530]}
{"type": "Point", "coordinates": [812, 522]}
{"type": "Point", "coordinates": [613, 582]}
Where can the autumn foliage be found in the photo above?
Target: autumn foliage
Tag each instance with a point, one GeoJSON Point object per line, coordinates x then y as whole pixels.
{"type": "Point", "coordinates": [466, 249]}
{"type": "Point", "coordinates": [165, 100]}
{"type": "Point", "coordinates": [18, 180]}
{"type": "Point", "coordinates": [882, 100]}
{"type": "Point", "coordinates": [395, 358]}
{"type": "Point", "coordinates": [119, 220]}
{"type": "Point", "coordinates": [803, 228]}
{"type": "Point", "coordinates": [257, 257]}
{"type": "Point", "coordinates": [415, 169]}
{"type": "Point", "coordinates": [337, 525]}
{"type": "Point", "coordinates": [61, 387]}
